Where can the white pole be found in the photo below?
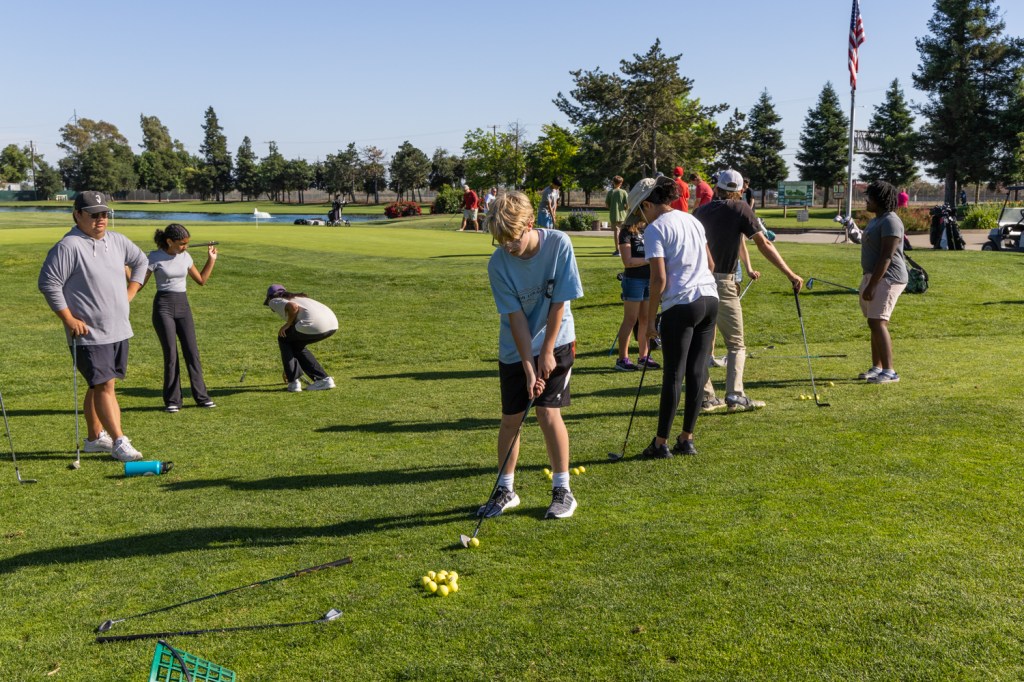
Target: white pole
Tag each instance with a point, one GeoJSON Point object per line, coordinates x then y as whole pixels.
{"type": "Point", "coordinates": [849, 176]}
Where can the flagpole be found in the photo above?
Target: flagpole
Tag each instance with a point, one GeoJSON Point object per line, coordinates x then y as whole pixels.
{"type": "Point", "coordinates": [849, 176]}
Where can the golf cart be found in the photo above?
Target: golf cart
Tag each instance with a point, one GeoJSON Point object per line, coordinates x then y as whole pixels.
{"type": "Point", "coordinates": [1009, 236]}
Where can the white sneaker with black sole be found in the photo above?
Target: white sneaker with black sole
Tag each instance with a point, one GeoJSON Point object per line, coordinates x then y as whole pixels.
{"type": "Point", "coordinates": [741, 403]}
{"type": "Point", "coordinates": [103, 443]}
{"type": "Point", "coordinates": [563, 504]}
{"type": "Point", "coordinates": [502, 499]}
{"type": "Point", "coordinates": [870, 374]}
{"type": "Point", "coordinates": [325, 384]}
{"type": "Point", "coordinates": [886, 376]}
{"type": "Point", "coordinates": [295, 386]}
{"type": "Point", "coordinates": [124, 451]}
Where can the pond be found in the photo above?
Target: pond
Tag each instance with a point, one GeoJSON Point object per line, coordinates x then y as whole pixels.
{"type": "Point", "coordinates": [183, 217]}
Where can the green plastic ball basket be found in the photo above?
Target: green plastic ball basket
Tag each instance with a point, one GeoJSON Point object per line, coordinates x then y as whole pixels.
{"type": "Point", "coordinates": [168, 661]}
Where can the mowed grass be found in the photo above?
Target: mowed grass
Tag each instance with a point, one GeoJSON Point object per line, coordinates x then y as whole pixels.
{"type": "Point", "coordinates": [876, 539]}
{"type": "Point", "coordinates": [247, 206]}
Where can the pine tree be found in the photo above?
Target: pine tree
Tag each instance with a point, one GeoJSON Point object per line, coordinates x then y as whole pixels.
{"type": "Point", "coordinates": [823, 154]}
{"type": "Point", "coordinates": [248, 181]}
{"type": "Point", "coordinates": [970, 73]}
{"type": "Point", "coordinates": [892, 130]}
{"type": "Point", "coordinates": [764, 165]}
{"type": "Point", "coordinates": [215, 154]}
{"type": "Point", "coordinates": [733, 143]}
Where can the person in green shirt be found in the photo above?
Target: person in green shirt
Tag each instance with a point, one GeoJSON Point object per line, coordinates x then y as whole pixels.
{"type": "Point", "coordinates": [616, 200]}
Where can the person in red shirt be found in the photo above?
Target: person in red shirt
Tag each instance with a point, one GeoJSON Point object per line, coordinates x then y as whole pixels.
{"type": "Point", "coordinates": [683, 202]}
{"type": "Point", "coordinates": [470, 205]}
{"type": "Point", "coordinates": [704, 193]}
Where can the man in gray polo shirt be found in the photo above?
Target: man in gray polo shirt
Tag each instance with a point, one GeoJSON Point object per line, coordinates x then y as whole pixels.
{"type": "Point", "coordinates": [83, 280]}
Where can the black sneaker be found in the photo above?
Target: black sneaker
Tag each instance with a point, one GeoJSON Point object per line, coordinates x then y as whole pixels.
{"type": "Point", "coordinates": [171, 408]}
{"type": "Point", "coordinates": [207, 404]}
{"type": "Point", "coordinates": [563, 504]}
{"type": "Point", "coordinates": [654, 451]}
{"type": "Point", "coordinates": [684, 447]}
{"type": "Point", "coordinates": [502, 499]}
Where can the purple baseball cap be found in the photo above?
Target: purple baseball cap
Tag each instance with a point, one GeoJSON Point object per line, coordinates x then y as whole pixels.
{"type": "Point", "coordinates": [273, 291]}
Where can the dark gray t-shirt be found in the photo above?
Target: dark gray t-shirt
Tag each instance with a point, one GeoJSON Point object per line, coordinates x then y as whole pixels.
{"type": "Point", "coordinates": [885, 225]}
{"type": "Point", "coordinates": [726, 223]}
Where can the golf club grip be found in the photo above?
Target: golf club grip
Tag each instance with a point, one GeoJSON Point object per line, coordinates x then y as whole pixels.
{"type": "Point", "coordinates": [796, 295]}
{"type": "Point", "coordinates": [332, 564]}
{"type": "Point", "coordinates": [207, 244]}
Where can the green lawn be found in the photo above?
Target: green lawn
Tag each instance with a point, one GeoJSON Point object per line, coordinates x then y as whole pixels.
{"type": "Point", "coordinates": [216, 206]}
{"type": "Point", "coordinates": [876, 539]}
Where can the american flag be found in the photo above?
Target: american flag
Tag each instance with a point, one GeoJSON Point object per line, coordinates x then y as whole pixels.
{"type": "Point", "coordinates": [856, 39]}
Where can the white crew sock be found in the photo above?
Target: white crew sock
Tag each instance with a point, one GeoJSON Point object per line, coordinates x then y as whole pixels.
{"type": "Point", "coordinates": [560, 480]}
{"type": "Point", "coordinates": [506, 480]}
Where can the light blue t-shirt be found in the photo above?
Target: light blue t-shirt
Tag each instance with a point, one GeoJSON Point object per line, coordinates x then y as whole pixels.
{"type": "Point", "coordinates": [532, 285]}
{"type": "Point", "coordinates": [170, 271]}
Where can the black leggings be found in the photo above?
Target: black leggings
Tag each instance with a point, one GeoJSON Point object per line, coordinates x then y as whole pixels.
{"type": "Point", "coordinates": [687, 335]}
{"type": "Point", "coordinates": [172, 317]}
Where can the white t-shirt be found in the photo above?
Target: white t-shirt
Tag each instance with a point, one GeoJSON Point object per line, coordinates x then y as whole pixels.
{"type": "Point", "coordinates": [679, 238]}
{"type": "Point", "coordinates": [169, 271]}
{"type": "Point", "coordinates": [314, 317]}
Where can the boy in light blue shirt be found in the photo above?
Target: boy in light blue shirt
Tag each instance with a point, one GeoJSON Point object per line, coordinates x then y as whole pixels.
{"type": "Point", "coordinates": [533, 277]}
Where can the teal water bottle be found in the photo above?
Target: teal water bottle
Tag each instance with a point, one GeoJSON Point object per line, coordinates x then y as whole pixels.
{"type": "Point", "coordinates": [147, 468]}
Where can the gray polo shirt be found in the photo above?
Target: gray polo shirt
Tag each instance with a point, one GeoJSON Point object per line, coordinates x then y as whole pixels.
{"type": "Point", "coordinates": [86, 276]}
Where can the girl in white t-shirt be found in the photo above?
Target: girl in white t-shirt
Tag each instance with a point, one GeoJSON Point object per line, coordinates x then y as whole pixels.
{"type": "Point", "coordinates": [172, 316]}
{"type": "Point", "coordinates": [306, 322]}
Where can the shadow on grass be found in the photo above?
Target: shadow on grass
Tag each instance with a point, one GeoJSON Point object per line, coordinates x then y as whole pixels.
{"type": "Point", "coordinates": [1003, 303]}
{"type": "Point", "coordinates": [393, 426]}
{"type": "Point", "coordinates": [433, 376]}
{"type": "Point", "coordinates": [351, 479]}
{"type": "Point", "coordinates": [462, 255]}
{"type": "Point", "coordinates": [217, 537]}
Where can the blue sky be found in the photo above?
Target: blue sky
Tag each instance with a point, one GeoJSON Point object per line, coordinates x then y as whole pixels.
{"type": "Point", "coordinates": [316, 75]}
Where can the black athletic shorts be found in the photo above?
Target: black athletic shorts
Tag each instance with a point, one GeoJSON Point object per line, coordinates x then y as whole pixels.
{"type": "Point", "coordinates": [514, 397]}
{"type": "Point", "coordinates": [99, 364]}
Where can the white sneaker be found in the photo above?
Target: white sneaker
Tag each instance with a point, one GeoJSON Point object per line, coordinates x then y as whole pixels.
{"type": "Point", "coordinates": [325, 384]}
{"type": "Point", "coordinates": [295, 386]}
{"type": "Point", "coordinates": [870, 374]}
{"type": "Point", "coordinates": [103, 443]}
{"type": "Point", "coordinates": [124, 452]}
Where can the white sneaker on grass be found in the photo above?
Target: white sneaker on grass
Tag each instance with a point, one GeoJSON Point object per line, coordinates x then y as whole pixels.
{"type": "Point", "coordinates": [563, 504]}
{"type": "Point", "coordinates": [124, 451]}
{"type": "Point", "coordinates": [295, 386]}
{"type": "Point", "coordinates": [870, 374]}
{"type": "Point", "coordinates": [325, 384]}
{"type": "Point", "coordinates": [502, 499]}
{"type": "Point", "coordinates": [886, 376]}
{"type": "Point", "coordinates": [103, 443]}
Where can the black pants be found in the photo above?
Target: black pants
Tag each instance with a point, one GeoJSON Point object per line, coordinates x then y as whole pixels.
{"type": "Point", "coordinates": [297, 358]}
{"type": "Point", "coordinates": [172, 317]}
{"type": "Point", "coordinates": [687, 335]}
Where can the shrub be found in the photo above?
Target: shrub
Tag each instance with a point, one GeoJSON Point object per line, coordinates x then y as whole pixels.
{"type": "Point", "coordinates": [981, 217]}
{"type": "Point", "coordinates": [915, 219]}
{"type": "Point", "coordinates": [577, 221]}
{"type": "Point", "coordinates": [402, 209]}
{"type": "Point", "coordinates": [448, 200]}
{"type": "Point", "coordinates": [534, 197]}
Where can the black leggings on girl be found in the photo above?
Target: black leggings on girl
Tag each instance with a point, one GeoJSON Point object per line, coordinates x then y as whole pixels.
{"type": "Point", "coordinates": [687, 335]}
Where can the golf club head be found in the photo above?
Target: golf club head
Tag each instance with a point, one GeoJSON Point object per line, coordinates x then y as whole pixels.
{"type": "Point", "coordinates": [23, 481]}
{"type": "Point", "coordinates": [333, 614]}
{"type": "Point", "coordinates": [614, 456]}
{"type": "Point", "coordinates": [77, 464]}
{"type": "Point", "coordinates": [820, 404]}
{"type": "Point", "coordinates": [464, 540]}
{"type": "Point", "coordinates": [810, 284]}
{"type": "Point", "coordinates": [242, 378]}
{"type": "Point", "coordinates": [105, 626]}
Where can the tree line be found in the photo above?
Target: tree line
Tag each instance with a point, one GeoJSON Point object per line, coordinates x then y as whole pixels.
{"type": "Point", "coordinates": [636, 122]}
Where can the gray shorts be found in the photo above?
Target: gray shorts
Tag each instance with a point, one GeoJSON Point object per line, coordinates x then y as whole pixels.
{"type": "Point", "coordinates": [100, 363]}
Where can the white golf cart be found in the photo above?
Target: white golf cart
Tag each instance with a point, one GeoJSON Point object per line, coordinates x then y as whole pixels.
{"type": "Point", "coordinates": [1008, 236]}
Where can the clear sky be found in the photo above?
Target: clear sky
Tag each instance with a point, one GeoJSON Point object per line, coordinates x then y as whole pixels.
{"type": "Point", "coordinates": [316, 75]}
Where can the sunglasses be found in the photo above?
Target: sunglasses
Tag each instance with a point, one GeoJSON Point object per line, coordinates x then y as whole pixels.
{"type": "Point", "coordinates": [97, 216]}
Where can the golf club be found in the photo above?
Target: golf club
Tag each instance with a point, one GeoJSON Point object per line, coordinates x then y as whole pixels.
{"type": "Point", "coordinates": [77, 464]}
{"type": "Point", "coordinates": [205, 244]}
{"type": "Point", "coordinates": [749, 284]}
{"type": "Point", "coordinates": [807, 351]}
{"type": "Point", "coordinates": [331, 615]}
{"type": "Point", "coordinates": [107, 624]}
{"type": "Point", "coordinates": [10, 442]}
{"type": "Point", "coordinates": [787, 357]}
{"type": "Point", "coordinates": [812, 280]}
{"type": "Point", "coordinates": [244, 372]}
{"type": "Point", "coordinates": [616, 456]}
{"type": "Point", "coordinates": [465, 539]}
{"type": "Point", "coordinates": [180, 660]}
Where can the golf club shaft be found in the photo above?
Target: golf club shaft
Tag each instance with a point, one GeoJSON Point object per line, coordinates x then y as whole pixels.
{"type": "Point", "coordinates": [74, 382]}
{"type": "Point", "coordinates": [184, 633]}
{"type": "Point", "coordinates": [636, 401]}
{"type": "Point", "coordinates": [511, 448]}
{"type": "Point", "coordinates": [807, 351]}
{"type": "Point", "coordinates": [205, 244]}
{"type": "Point", "coordinates": [749, 284]}
{"type": "Point", "coordinates": [838, 286]}
{"type": "Point", "coordinates": [293, 574]}
{"type": "Point", "coordinates": [10, 441]}
{"type": "Point", "coordinates": [786, 357]}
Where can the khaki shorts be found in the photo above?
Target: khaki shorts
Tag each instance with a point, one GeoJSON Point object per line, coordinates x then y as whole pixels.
{"type": "Point", "coordinates": [881, 306]}
{"type": "Point", "coordinates": [469, 213]}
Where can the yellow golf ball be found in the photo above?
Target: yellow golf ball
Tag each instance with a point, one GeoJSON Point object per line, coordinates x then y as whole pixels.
{"type": "Point", "coordinates": [831, 383]}
{"type": "Point", "coordinates": [442, 590]}
{"type": "Point", "coordinates": [431, 575]}
{"type": "Point", "coordinates": [475, 542]}
{"type": "Point", "coordinates": [583, 470]}
{"type": "Point", "coordinates": [452, 576]}
{"type": "Point", "coordinates": [575, 471]}
{"type": "Point", "coordinates": [442, 576]}
{"type": "Point", "coordinates": [453, 586]}
{"type": "Point", "coordinates": [431, 586]}
{"type": "Point", "coordinates": [547, 471]}
{"type": "Point", "coordinates": [425, 579]}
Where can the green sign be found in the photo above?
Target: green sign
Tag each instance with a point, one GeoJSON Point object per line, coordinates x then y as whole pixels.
{"type": "Point", "coordinates": [796, 193]}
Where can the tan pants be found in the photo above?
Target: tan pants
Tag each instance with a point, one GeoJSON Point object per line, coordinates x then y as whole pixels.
{"type": "Point", "coordinates": [730, 323]}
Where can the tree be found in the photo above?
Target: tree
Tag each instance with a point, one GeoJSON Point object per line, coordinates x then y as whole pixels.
{"type": "Point", "coordinates": [494, 158]}
{"type": "Point", "coordinates": [47, 180]}
{"type": "Point", "coordinates": [77, 138]}
{"type": "Point", "coordinates": [298, 176]}
{"type": "Point", "coordinates": [248, 180]}
{"type": "Point", "coordinates": [372, 171]}
{"type": "Point", "coordinates": [1010, 166]}
{"type": "Point", "coordinates": [273, 170]}
{"type": "Point", "coordinates": [892, 130]}
{"type": "Point", "coordinates": [410, 169]}
{"type": "Point", "coordinates": [215, 154]}
{"type": "Point", "coordinates": [823, 154]}
{"type": "Point", "coordinates": [158, 167]}
{"type": "Point", "coordinates": [733, 142]}
{"type": "Point", "coordinates": [341, 174]}
{"type": "Point", "coordinates": [647, 111]}
{"type": "Point", "coordinates": [971, 74]}
{"type": "Point", "coordinates": [445, 169]}
{"type": "Point", "coordinates": [764, 165]}
{"type": "Point", "coordinates": [552, 154]}
{"type": "Point", "coordinates": [14, 164]}
{"type": "Point", "coordinates": [108, 167]}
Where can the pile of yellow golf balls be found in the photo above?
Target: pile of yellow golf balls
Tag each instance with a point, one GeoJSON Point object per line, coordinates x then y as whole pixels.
{"type": "Point", "coordinates": [441, 583]}
{"type": "Point", "coordinates": [576, 471]}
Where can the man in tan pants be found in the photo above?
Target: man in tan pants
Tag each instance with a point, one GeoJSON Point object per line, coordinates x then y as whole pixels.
{"type": "Point", "coordinates": [727, 221]}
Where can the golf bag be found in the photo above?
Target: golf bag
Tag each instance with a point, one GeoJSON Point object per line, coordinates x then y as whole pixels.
{"type": "Point", "coordinates": [334, 215]}
{"type": "Point", "coordinates": [917, 282]}
{"type": "Point", "coordinates": [945, 232]}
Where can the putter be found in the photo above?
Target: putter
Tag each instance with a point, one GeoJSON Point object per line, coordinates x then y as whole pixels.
{"type": "Point", "coordinates": [807, 351]}
{"type": "Point", "coordinates": [616, 456]}
{"type": "Point", "coordinates": [107, 624]}
{"type": "Point", "coordinates": [464, 539]}
{"type": "Point", "coordinates": [331, 615]}
{"type": "Point", "coordinates": [749, 284]}
{"type": "Point", "coordinates": [77, 464]}
{"type": "Point", "coordinates": [812, 280]}
{"type": "Point", "coordinates": [10, 442]}
{"type": "Point", "coordinates": [244, 372]}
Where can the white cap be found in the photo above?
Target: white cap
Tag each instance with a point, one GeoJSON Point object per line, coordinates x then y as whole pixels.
{"type": "Point", "coordinates": [730, 181]}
